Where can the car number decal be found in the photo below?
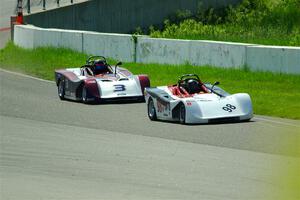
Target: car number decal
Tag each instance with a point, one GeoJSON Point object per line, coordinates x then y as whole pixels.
{"type": "Point", "coordinates": [229, 108]}
{"type": "Point", "coordinates": [119, 88]}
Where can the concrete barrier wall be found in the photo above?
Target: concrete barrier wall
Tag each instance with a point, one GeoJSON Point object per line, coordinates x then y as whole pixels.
{"type": "Point", "coordinates": [274, 58]}
{"type": "Point", "coordinates": [222, 54]}
{"type": "Point", "coordinates": [28, 36]}
{"type": "Point", "coordinates": [165, 51]}
{"type": "Point", "coordinates": [24, 36]}
{"type": "Point", "coordinates": [195, 52]}
{"type": "Point", "coordinates": [117, 46]}
{"type": "Point", "coordinates": [58, 38]}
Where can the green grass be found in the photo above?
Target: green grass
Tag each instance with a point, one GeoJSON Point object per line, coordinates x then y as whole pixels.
{"type": "Point", "coordinates": [269, 22]}
{"type": "Point", "coordinates": [272, 94]}
{"type": "Point", "coordinates": [39, 62]}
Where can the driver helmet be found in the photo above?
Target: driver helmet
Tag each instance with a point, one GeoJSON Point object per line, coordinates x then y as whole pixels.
{"type": "Point", "coordinates": [100, 67]}
{"type": "Point", "coordinates": [193, 86]}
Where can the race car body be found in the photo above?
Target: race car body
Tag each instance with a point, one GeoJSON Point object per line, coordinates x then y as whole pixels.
{"type": "Point", "coordinates": [193, 102]}
{"type": "Point", "coordinates": [98, 81]}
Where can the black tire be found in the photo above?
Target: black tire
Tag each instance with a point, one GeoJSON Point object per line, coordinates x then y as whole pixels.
{"type": "Point", "coordinates": [61, 90]}
{"type": "Point", "coordinates": [151, 110]}
{"type": "Point", "coordinates": [182, 114]}
{"type": "Point", "coordinates": [84, 95]}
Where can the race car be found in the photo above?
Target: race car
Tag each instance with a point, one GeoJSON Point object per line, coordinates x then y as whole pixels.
{"type": "Point", "coordinates": [97, 81]}
{"type": "Point", "coordinates": [191, 101]}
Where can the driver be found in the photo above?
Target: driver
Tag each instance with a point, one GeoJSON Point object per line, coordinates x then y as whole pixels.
{"type": "Point", "coordinates": [192, 86]}
{"type": "Point", "coordinates": [100, 67]}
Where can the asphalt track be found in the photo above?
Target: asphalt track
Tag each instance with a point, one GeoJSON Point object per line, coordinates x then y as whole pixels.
{"type": "Point", "coordinates": [52, 149]}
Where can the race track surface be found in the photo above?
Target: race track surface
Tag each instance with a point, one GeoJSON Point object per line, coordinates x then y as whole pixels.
{"type": "Point", "coordinates": [52, 149]}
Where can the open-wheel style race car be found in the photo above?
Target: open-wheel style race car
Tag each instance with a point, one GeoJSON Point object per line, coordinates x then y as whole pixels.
{"type": "Point", "coordinates": [192, 102]}
{"type": "Point", "coordinates": [97, 81]}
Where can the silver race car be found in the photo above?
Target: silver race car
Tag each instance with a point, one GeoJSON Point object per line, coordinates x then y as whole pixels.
{"type": "Point", "coordinates": [98, 81]}
{"type": "Point", "coordinates": [192, 102]}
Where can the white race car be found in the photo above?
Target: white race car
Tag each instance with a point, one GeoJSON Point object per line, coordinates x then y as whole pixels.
{"type": "Point", "coordinates": [192, 102]}
{"type": "Point", "coordinates": [98, 81]}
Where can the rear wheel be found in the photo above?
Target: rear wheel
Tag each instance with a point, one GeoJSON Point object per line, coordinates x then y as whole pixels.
{"type": "Point", "coordinates": [61, 90]}
{"type": "Point", "coordinates": [84, 95]}
{"type": "Point", "coordinates": [151, 110]}
{"type": "Point", "coordinates": [182, 113]}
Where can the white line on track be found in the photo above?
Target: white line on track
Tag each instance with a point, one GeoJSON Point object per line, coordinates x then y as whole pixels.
{"type": "Point", "coordinates": [27, 76]}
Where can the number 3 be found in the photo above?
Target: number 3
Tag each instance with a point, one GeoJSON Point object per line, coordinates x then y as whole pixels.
{"type": "Point", "coordinates": [119, 88]}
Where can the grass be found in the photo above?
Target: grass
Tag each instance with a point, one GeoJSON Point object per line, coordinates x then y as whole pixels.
{"type": "Point", "coordinates": [269, 22]}
{"type": "Point", "coordinates": [39, 62]}
{"type": "Point", "coordinates": [272, 94]}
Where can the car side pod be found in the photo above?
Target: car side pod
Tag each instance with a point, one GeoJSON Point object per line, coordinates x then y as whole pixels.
{"type": "Point", "coordinates": [245, 103]}
{"type": "Point", "coordinates": [144, 81]}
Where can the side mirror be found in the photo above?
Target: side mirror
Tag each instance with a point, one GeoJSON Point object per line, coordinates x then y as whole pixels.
{"type": "Point", "coordinates": [216, 83]}
{"type": "Point", "coordinates": [119, 63]}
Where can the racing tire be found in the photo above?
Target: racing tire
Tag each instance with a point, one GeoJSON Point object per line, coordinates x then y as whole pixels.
{"type": "Point", "coordinates": [151, 110]}
{"type": "Point", "coordinates": [182, 114]}
{"type": "Point", "coordinates": [61, 90]}
{"type": "Point", "coordinates": [84, 95]}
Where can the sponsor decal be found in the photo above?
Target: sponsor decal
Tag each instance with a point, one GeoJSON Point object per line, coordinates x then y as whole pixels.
{"type": "Point", "coordinates": [190, 102]}
{"type": "Point", "coordinates": [162, 107]}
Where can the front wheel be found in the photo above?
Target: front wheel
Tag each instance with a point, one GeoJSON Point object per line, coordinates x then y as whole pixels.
{"type": "Point", "coordinates": [151, 110]}
{"type": "Point", "coordinates": [182, 114]}
{"type": "Point", "coordinates": [61, 90]}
